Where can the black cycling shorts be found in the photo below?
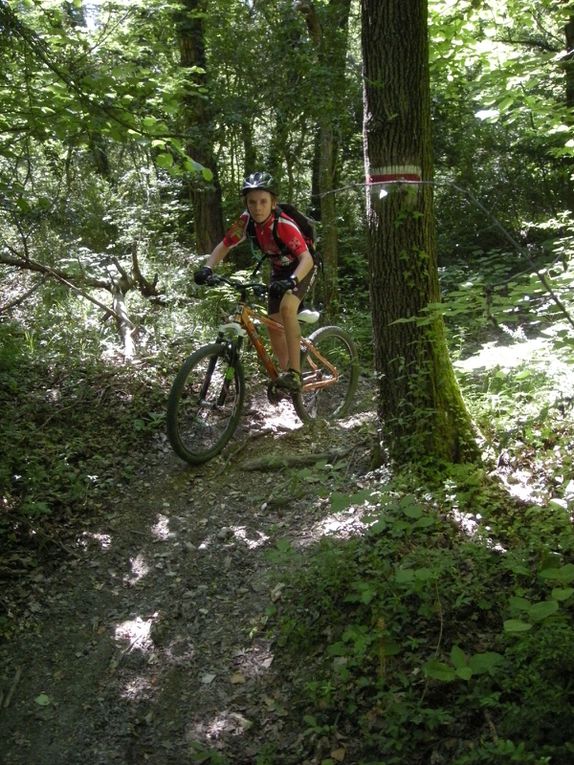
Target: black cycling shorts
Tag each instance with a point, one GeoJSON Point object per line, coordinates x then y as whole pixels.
{"type": "Point", "coordinates": [299, 291]}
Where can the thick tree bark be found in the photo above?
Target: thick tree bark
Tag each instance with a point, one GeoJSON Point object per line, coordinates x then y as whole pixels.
{"type": "Point", "coordinates": [205, 200]}
{"type": "Point", "coordinates": [421, 409]}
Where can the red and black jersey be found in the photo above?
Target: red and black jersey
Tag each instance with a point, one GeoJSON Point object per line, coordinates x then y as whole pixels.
{"type": "Point", "coordinates": [277, 227]}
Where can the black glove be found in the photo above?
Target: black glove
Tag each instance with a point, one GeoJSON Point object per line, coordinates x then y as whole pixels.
{"type": "Point", "coordinates": [202, 276]}
{"type": "Point", "coordinates": [279, 288]}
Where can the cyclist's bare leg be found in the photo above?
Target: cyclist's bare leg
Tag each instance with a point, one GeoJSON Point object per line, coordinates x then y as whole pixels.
{"type": "Point", "coordinates": [287, 345]}
{"type": "Point", "coordinates": [279, 343]}
{"type": "Point", "coordinates": [288, 311]}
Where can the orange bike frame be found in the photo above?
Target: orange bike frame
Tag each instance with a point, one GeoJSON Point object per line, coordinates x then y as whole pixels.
{"type": "Point", "coordinates": [245, 317]}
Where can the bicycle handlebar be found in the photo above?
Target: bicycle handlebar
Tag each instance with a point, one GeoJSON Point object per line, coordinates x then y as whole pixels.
{"type": "Point", "coordinates": [258, 288]}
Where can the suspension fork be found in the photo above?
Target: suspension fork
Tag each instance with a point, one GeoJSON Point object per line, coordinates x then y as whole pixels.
{"type": "Point", "coordinates": [232, 354]}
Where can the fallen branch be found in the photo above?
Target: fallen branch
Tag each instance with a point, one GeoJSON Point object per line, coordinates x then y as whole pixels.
{"type": "Point", "coordinates": [124, 324]}
{"type": "Point", "coordinates": [15, 681]}
{"type": "Point", "coordinates": [147, 288]}
{"type": "Point", "coordinates": [63, 278]}
{"type": "Point", "coordinates": [17, 301]}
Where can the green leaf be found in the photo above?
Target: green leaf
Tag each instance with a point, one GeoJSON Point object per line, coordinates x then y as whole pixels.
{"type": "Point", "coordinates": [506, 103]}
{"type": "Point", "coordinates": [425, 522]}
{"type": "Point", "coordinates": [465, 673]}
{"type": "Point", "coordinates": [563, 574]}
{"type": "Point", "coordinates": [438, 670]}
{"type": "Point", "coordinates": [338, 649]}
{"type": "Point", "coordinates": [149, 122]}
{"type": "Point", "coordinates": [516, 625]}
{"type": "Point", "coordinates": [339, 501]}
{"type": "Point", "coordinates": [43, 700]}
{"type": "Point", "coordinates": [412, 511]}
{"type": "Point", "coordinates": [164, 160]}
{"type": "Point", "coordinates": [391, 648]}
{"type": "Point", "coordinates": [519, 604]}
{"type": "Point", "coordinates": [562, 593]}
{"type": "Point", "coordinates": [480, 663]}
{"type": "Point", "coordinates": [542, 610]}
{"type": "Point", "coordinates": [458, 657]}
{"type": "Point", "coordinates": [424, 574]}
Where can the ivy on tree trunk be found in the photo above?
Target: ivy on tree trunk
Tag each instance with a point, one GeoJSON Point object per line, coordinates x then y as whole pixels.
{"type": "Point", "coordinates": [421, 410]}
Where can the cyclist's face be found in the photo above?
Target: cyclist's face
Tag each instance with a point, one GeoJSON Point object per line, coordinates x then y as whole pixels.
{"type": "Point", "coordinates": [260, 204]}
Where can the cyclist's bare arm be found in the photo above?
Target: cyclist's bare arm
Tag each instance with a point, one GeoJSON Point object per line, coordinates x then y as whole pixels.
{"type": "Point", "coordinates": [304, 266]}
{"type": "Point", "coordinates": [217, 255]}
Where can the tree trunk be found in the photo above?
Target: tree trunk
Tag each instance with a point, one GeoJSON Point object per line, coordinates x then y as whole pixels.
{"type": "Point", "coordinates": [421, 409]}
{"type": "Point", "coordinates": [328, 29]}
{"type": "Point", "coordinates": [205, 200]}
{"type": "Point", "coordinates": [569, 70]}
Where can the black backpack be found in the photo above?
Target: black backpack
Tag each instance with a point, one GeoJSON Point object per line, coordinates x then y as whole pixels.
{"type": "Point", "coordinates": [305, 225]}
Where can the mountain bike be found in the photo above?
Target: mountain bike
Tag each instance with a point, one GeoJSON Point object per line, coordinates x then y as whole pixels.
{"type": "Point", "coordinates": [206, 399]}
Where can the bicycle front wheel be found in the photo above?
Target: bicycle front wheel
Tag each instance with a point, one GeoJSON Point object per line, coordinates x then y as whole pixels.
{"type": "Point", "coordinates": [204, 404]}
{"type": "Point", "coordinates": [330, 370]}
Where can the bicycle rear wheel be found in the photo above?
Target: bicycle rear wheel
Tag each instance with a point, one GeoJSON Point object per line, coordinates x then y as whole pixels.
{"type": "Point", "coordinates": [204, 404]}
{"type": "Point", "coordinates": [330, 375]}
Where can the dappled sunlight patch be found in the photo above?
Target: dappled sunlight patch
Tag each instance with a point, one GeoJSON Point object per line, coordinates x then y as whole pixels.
{"type": "Point", "coordinates": [139, 569]}
{"type": "Point", "coordinates": [53, 395]}
{"type": "Point", "coordinates": [539, 352]}
{"type": "Point", "coordinates": [229, 535]}
{"type": "Point", "coordinates": [103, 540]}
{"type": "Point", "coordinates": [469, 523]}
{"type": "Point", "coordinates": [136, 633]}
{"type": "Point", "coordinates": [160, 529]}
{"type": "Point", "coordinates": [496, 354]}
{"type": "Point", "coordinates": [356, 420]}
{"type": "Point", "coordinates": [250, 538]}
{"type": "Point", "coordinates": [137, 688]}
{"type": "Point", "coordinates": [273, 418]}
{"type": "Point", "coordinates": [519, 484]}
{"type": "Point", "coordinates": [222, 725]}
{"type": "Point", "coordinates": [352, 519]}
{"type": "Point", "coordinates": [341, 525]}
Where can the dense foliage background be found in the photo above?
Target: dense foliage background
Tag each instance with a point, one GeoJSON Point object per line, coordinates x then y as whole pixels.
{"type": "Point", "coordinates": [116, 120]}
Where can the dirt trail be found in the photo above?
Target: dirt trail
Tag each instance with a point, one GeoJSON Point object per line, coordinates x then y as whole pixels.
{"type": "Point", "coordinates": [147, 644]}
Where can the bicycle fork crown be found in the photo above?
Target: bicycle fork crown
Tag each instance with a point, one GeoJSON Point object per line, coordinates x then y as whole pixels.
{"type": "Point", "coordinates": [232, 329]}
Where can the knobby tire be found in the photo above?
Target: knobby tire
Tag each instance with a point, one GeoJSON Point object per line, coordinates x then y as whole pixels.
{"type": "Point", "coordinates": [205, 403]}
{"type": "Point", "coordinates": [332, 401]}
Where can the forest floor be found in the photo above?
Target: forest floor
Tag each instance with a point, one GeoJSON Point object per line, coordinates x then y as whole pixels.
{"type": "Point", "coordinates": [148, 641]}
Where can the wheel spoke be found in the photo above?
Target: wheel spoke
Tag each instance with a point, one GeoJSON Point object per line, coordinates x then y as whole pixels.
{"type": "Point", "coordinates": [205, 404]}
{"type": "Point", "coordinates": [330, 375]}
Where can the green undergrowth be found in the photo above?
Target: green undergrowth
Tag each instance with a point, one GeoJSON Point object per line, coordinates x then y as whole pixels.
{"type": "Point", "coordinates": [76, 427]}
{"type": "Point", "coordinates": [420, 642]}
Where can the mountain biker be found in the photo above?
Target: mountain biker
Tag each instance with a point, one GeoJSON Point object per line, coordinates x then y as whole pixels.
{"type": "Point", "coordinates": [291, 269]}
